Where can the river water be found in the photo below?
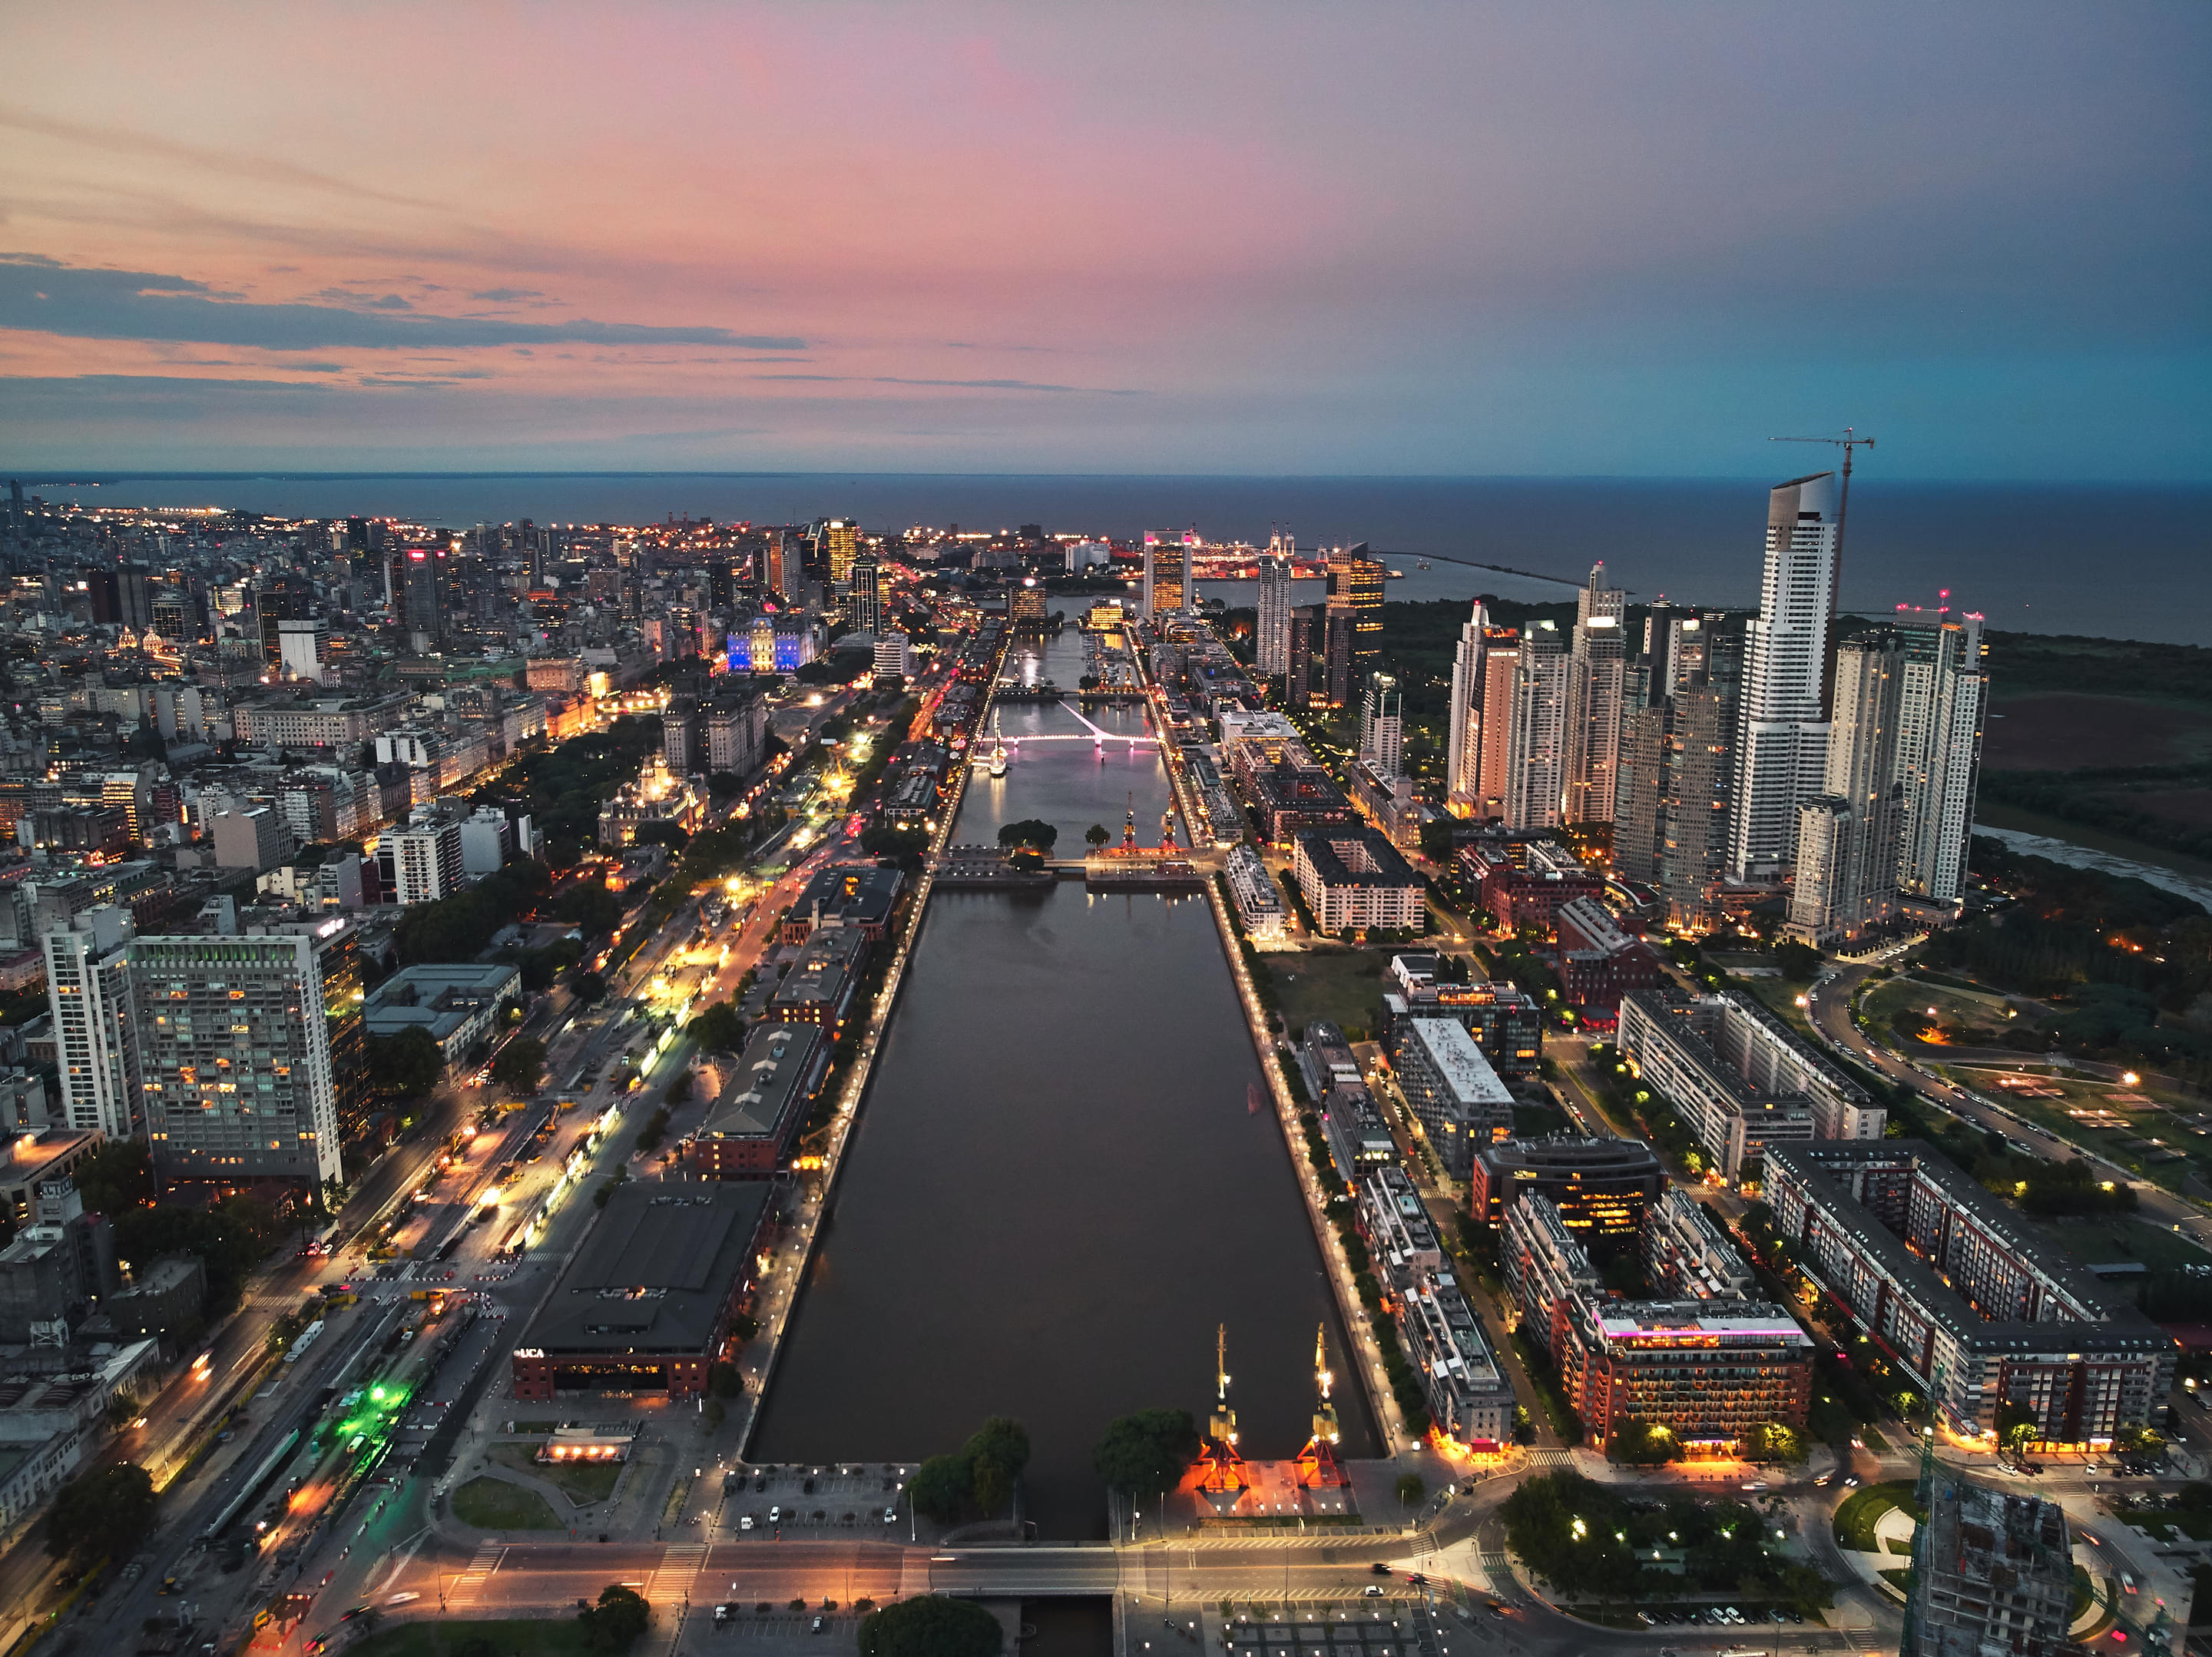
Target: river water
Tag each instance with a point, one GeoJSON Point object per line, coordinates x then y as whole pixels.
{"type": "Point", "coordinates": [1056, 1190]}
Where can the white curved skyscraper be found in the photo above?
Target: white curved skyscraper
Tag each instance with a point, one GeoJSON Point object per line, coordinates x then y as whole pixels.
{"type": "Point", "coordinates": [1782, 746]}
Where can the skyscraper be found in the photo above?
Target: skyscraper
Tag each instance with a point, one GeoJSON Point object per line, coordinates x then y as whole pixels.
{"type": "Point", "coordinates": [1536, 774]}
{"type": "Point", "coordinates": [88, 990]}
{"type": "Point", "coordinates": [1501, 673]}
{"type": "Point", "coordinates": [1597, 689]}
{"type": "Point", "coordinates": [1701, 768]}
{"type": "Point", "coordinates": [1463, 743]}
{"type": "Point", "coordinates": [1355, 593]}
{"type": "Point", "coordinates": [1939, 748]}
{"type": "Point", "coordinates": [1382, 725]}
{"type": "Point", "coordinates": [235, 1057]}
{"type": "Point", "coordinates": [863, 603]}
{"type": "Point", "coordinates": [1271, 639]}
{"type": "Point", "coordinates": [1781, 744]}
{"type": "Point", "coordinates": [1167, 571]}
{"type": "Point", "coordinates": [1847, 834]}
{"type": "Point", "coordinates": [1308, 658]}
{"type": "Point", "coordinates": [841, 544]}
{"type": "Point", "coordinates": [1640, 791]}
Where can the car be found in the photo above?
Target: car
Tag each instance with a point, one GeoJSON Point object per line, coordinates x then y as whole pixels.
{"type": "Point", "coordinates": [1379, 1568]}
{"type": "Point", "coordinates": [2128, 1581]}
{"type": "Point", "coordinates": [168, 1586]}
{"type": "Point", "coordinates": [891, 1516]}
{"type": "Point", "coordinates": [745, 1522]}
{"type": "Point", "coordinates": [722, 1612]}
{"type": "Point", "coordinates": [403, 1598]}
{"type": "Point", "coordinates": [1851, 1481]}
{"type": "Point", "coordinates": [1756, 1484]}
{"type": "Point", "coordinates": [1373, 1591]}
{"type": "Point", "coordinates": [314, 1648]}
{"type": "Point", "coordinates": [354, 1612]}
{"type": "Point", "coordinates": [817, 1629]}
{"type": "Point", "coordinates": [1821, 1481]}
{"type": "Point", "coordinates": [775, 1515]}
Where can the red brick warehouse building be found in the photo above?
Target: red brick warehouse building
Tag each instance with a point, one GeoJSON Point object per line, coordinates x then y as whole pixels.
{"type": "Point", "coordinates": [650, 1301]}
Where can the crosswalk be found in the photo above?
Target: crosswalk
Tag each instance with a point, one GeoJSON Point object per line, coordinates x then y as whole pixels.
{"type": "Point", "coordinates": [1551, 1458]}
{"type": "Point", "coordinates": [463, 1595]}
{"type": "Point", "coordinates": [678, 1569]}
{"type": "Point", "coordinates": [1862, 1640]}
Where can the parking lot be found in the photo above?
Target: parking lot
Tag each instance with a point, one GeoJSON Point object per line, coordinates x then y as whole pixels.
{"type": "Point", "coordinates": [767, 1501]}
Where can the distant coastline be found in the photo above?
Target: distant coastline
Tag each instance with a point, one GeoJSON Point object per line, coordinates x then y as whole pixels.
{"type": "Point", "coordinates": [2120, 561]}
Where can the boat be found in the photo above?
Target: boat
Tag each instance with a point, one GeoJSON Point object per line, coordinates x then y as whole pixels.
{"type": "Point", "coordinates": [1251, 1099]}
{"type": "Point", "coordinates": [999, 759]}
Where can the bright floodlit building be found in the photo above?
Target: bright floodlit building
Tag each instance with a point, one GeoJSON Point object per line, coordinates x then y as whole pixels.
{"type": "Point", "coordinates": [1354, 877]}
{"type": "Point", "coordinates": [1709, 1371]}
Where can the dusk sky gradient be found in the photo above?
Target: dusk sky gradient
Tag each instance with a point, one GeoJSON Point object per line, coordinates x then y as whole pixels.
{"type": "Point", "coordinates": [1455, 239]}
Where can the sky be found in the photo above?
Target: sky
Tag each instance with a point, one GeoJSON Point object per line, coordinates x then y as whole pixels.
{"type": "Point", "coordinates": [1554, 239]}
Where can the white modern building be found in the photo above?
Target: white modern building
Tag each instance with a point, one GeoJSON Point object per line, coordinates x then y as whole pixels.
{"type": "Point", "coordinates": [1598, 690]}
{"type": "Point", "coordinates": [88, 990]}
{"type": "Point", "coordinates": [1463, 745]}
{"type": "Point", "coordinates": [894, 656]}
{"type": "Point", "coordinates": [422, 863]}
{"type": "Point", "coordinates": [1354, 877]}
{"type": "Point", "coordinates": [1940, 707]}
{"type": "Point", "coordinates": [1538, 741]}
{"type": "Point", "coordinates": [1847, 857]}
{"type": "Point", "coordinates": [1259, 904]}
{"type": "Point", "coordinates": [1382, 725]}
{"type": "Point", "coordinates": [1271, 639]}
{"type": "Point", "coordinates": [1781, 746]}
{"type": "Point", "coordinates": [1451, 1089]}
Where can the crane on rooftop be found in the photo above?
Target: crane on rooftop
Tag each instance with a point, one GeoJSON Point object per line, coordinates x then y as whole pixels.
{"type": "Point", "coordinates": [1850, 440]}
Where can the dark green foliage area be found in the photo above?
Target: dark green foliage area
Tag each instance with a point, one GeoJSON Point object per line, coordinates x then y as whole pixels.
{"type": "Point", "coordinates": [1031, 832]}
{"type": "Point", "coordinates": [1143, 1454]}
{"type": "Point", "coordinates": [930, 1625]}
{"type": "Point", "coordinates": [562, 787]}
{"type": "Point", "coordinates": [904, 847]}
{"type": "Point", "coordinates": [231, 1237]}
{"type": "Point", "coordinates": [102, 1514]}
{"type": "Point", "coordinates": [718, 1029]}
{"type": "Point", "coordinates": [2104, 666]}
{"type": "Point", "coordinates": [613, 1625]}
{"type": "Point", "coordinates": [1586, 1537]}
{"type": "Point", "coordinates": [977, 1481]}
{"type": "Point", "coordinates": [409, 1065]}
{"type": "Point", "coordinates": [519, 1067]}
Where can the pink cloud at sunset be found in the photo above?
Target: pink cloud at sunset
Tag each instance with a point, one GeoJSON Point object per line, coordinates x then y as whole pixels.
{"type": "Point", "coordinates": [1413, 239]}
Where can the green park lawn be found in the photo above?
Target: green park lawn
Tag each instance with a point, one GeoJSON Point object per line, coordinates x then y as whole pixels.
{"type": "Point", "coordinates": [1863, 1510]}
{"type": "Point", "coordinates": [592, 1481]}
{"type": "Point", "coordinates": [1341, 987]}
{"type": "Point", "coordinates": [493, 1504]}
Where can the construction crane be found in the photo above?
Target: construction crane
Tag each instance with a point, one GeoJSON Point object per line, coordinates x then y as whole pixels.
{"type": "Point", "coordinates": [1850, 440]}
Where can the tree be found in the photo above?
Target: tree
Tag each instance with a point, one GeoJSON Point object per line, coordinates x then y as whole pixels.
{"type": "Point", "coordinates": [996, 1455]}
{"type": "Point", "coordinates": [2017, 1425]}
{"type": "Point", "coordinates": [115, 1177]}
{"type": "Point", "coordinates": [930, 1625]}
{"type": "Point", "coordinates": [941, 1488]}
{"type": "Point", "coordinates": [1032, 832]}
{"type": "Point", "coordinates": [520, 1066]}
{"type": "Point", "coordinates": [588, 988]}
{"type": "Point", "coordinates": [1143, 1454]}
{"type": "Point", "coordinates": [1799, 961]}
{"type": "Point", "coordinates": [1097, 834]}
{"type": "Point", "coordinates": [1411, 1489]}
{"type": "Point", "coordinates": [1642, 1444]}
{"type": "Point", "coordinates": [1437, 840]}
{"type": "Point", "coordinates": [409, 1065]}
{"type": "Point", "coordinates": [612, 1626]}
{"type": "Point", "coordinates": [108, 1512]}
{"type": "Point", "coordinates": [718, 1029]}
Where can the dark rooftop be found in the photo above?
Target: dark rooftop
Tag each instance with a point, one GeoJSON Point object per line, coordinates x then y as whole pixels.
{"type": "Point", "coordinates": [656, 1272]}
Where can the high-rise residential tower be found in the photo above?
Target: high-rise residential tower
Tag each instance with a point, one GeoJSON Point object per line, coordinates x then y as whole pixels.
{"type": "Point", "coordinates": [235, 1057]}
{"type": "Point", "coordinates": [1272, 637]}
{"type": "Point", "coordinates": [1536, 766]}
{"type": "Point", "coordinates": [1701, 768]}
{"type": "Point", "coordinates": [1501, 675]}
{"type": "Point", "coordinates": [1940, 707]}
{"type": "Point", "coordinates": [1306, 664]}
{"type": "Point", "coordinates": [1382, 725]}
{"type": "Point", "coordinates": [1463, 745]}
{"type": "Point", "coordinates": [1598, 699]}
{"type": "Point", "coordinates": [1847, 834]}
{"type": "Point", "coordinates": [1781, 744]}
{"type": "Point", "coordinates": [88, 990]}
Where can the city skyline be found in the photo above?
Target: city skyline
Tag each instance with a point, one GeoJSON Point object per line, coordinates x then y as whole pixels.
{"type": "Point", "coordinates": [1055, 241]}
